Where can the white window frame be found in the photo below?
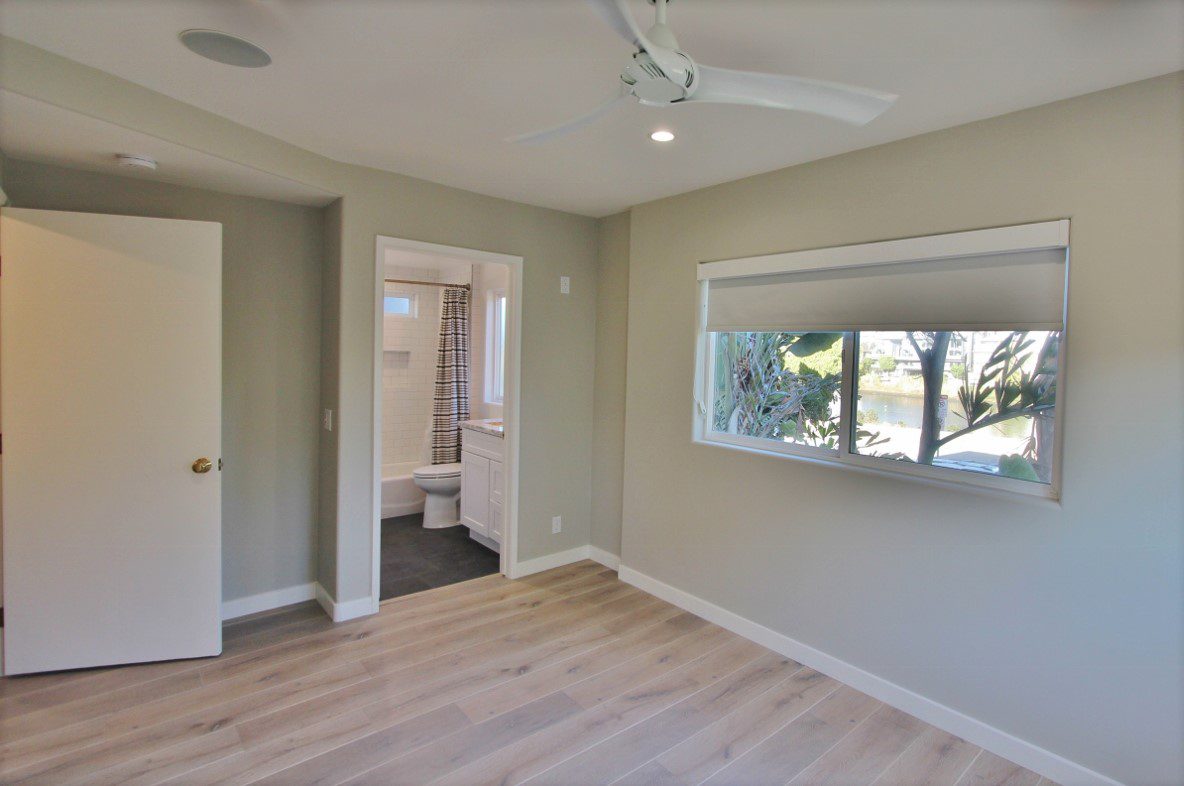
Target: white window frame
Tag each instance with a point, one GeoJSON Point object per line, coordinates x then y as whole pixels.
{"type": "Point", "coordinates": [412, 309]}
{"type": "Point", "coordinates": [1025, 237]}
{"type": "Point", "coordinates": [495, 347]}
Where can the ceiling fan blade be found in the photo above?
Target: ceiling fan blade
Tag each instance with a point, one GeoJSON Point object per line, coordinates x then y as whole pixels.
{"type": "Point", "coordinates": [616, 15]}
{"type": "Point", "coordinates": [547, 134]}
{"type": "Point", "coordinates": [855, 105]}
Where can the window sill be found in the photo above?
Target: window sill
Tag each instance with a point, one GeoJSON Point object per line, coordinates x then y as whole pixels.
{"type": "Point", "coordinates": [934, 477]}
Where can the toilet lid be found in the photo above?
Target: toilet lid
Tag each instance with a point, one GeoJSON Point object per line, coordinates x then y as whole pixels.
{"type": "Point", "coordinates": [438, 471]}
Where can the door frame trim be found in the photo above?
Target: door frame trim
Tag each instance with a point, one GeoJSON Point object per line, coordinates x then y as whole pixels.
{"type": "Point", "coordinates": [510, 406]}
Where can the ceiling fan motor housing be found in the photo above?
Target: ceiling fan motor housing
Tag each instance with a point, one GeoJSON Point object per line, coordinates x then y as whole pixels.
{"type": "Point", "coordinates": [657, 86]}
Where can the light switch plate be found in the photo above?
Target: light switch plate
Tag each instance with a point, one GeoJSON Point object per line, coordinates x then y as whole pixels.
{"type": "Point", "coordinates": [556, 525]}
{"type": "Point", "coordinates": [565, 285]}
{"type": "Point", "coordinates": [327, 419]}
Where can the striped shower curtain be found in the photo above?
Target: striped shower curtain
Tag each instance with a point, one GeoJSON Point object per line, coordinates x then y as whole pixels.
{"type": "Point", "coordinates": [451, 403]}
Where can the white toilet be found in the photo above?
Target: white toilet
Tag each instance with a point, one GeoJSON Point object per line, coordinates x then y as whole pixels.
{"type": "Point", "coordinates": [441, 483]}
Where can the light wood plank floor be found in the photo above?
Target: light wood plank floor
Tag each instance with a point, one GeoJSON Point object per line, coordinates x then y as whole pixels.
{"type": "Point", "coordinates": [566, 677]}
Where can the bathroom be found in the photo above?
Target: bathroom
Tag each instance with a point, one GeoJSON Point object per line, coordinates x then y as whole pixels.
{"type": "Point", "coordinates": [441, 430]}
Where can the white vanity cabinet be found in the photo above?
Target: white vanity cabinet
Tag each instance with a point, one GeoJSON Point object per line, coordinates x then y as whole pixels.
{"type": "Point", "coordinates": [482, 484]}
{"type": "Point", "coordinates": [497, 482]}
{"type": "Point", "coordinates": [474, 492]}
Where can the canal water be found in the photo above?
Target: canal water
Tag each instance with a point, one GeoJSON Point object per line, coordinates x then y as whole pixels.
{"type": "Point", "coordinates": [897, 408]}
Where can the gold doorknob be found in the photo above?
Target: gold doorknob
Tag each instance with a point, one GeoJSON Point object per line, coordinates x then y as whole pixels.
{"type": "Point", "coordinates": [202, 465]}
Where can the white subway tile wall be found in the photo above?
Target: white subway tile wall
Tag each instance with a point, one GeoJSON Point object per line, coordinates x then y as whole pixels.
{"type": "Point", "coordinates": [409, 367]}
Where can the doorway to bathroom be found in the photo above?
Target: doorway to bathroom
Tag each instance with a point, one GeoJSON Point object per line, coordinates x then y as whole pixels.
{"type": "Point", "coordinates": [447, 346]}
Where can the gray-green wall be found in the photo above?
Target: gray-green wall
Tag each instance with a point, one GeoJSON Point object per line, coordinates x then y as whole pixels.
{"type": "Point", "coordinates": [327, 377]}
{"type": "Point", "coordinates": [1061, 624]}
{"type": "Point", "coordinates": [612, 323]}
{"type": "Point", "coordinates": [271, 347]}
{"type": "Point", "coordinates": [558, 346]}
{"type": "Point", "coordinates": [558, 330]}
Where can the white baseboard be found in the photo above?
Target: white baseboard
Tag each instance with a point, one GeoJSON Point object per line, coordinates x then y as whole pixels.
{"type": "Point", "coordinates": [606, 558]}
{"type": "Point", "coordinates": [559, 559]}
{"type": "Point", "coordinates": [999, 742]}
{"type": "Point", "coordinates": [265, 601]}
{"type": "Point", "coordinates": [347, 610]}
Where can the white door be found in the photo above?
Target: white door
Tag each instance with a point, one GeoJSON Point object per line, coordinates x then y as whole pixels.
{"type": "Point", "coordinates": [110, 394]}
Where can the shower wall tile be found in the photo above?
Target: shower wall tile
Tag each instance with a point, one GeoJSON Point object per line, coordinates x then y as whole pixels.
{"type": "Point", "coordinates": [409, 367]}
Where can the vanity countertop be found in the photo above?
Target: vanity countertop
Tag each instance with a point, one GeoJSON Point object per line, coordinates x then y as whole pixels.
{"type": "Point", "coordinates": [492, 426]}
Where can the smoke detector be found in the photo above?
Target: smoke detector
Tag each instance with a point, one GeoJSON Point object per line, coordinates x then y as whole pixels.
{"type": "Point", "coordinates": [139, 162]}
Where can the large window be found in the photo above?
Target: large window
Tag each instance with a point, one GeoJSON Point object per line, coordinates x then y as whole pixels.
{"type": "Point", "coordinates": [979, 401]}
{"type": "Point", "coordinates": [944, 366]}
{"type": "Point", "coordinates": [781, 387]}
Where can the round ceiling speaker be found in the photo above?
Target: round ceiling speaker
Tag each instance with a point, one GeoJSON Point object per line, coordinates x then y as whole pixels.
{"type": "Point", "coordinates": [225, 48]}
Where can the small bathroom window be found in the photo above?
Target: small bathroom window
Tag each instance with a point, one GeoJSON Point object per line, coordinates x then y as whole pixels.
{"type": "Point", "coordinates": [398, 305]}
{"type": "Point", "coordinates": [495, 356]}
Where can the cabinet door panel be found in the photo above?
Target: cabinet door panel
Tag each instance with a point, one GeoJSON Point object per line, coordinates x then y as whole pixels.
{"type": "Point", "coordinates": [474, 492]}
{"type": "Point", "coordinates": [497, 481]}
{"type": "Point", "coordinates": [495, 521]}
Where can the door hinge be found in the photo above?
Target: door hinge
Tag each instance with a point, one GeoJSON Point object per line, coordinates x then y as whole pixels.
{"type": "Point", "coordinates": [219, 465]}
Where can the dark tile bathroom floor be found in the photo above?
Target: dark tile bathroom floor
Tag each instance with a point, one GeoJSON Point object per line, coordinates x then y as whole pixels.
{"type": "Point", "coordinates": [416, 559]}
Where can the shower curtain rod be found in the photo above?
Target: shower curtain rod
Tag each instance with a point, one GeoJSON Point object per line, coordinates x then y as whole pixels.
{"type": "Point", "coordinates": [424, 283]}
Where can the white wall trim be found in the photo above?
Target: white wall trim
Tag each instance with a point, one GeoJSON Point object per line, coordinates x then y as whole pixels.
{"type": "Point", "coordinates": [606, 558]}
{"type": "Point", "coordinates": [266, 601]}
{"type": "Point", "coordinates": [350, 609]}
{"type": "Point", "coordinates": [550, 561]}
{"type": "Point", "coordinates": [511, 409]}
{"type": "Point", "coordinates": [561, 558]}
{"type": "Point", "coordinates": [975, 731]}
{"type": "Point", "coordinates": [998, 240]}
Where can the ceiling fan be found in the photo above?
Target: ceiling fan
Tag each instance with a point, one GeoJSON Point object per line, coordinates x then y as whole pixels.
{"type": "Point", "coordinates": [661, 74]}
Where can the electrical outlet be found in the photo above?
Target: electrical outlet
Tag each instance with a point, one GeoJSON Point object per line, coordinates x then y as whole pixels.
{"type": "Point", "coordinates": [556, 525]}
{"type": "Point", "coordinates": [327, 419]}
{"type": "Point", "coordinates": [565, 285]}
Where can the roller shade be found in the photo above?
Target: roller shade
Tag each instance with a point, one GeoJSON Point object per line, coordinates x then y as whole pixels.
{"type": "Point", "coordinates": [996, 291]}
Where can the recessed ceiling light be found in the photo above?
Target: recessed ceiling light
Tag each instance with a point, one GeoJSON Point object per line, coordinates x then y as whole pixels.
{"type": "Point", "coordinates": [225, 48]}
{"type": "Point", "coordinates": [662, 135]}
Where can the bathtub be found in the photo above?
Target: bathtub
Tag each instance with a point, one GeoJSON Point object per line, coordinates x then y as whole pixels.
{"type": "Point", "coordinates": [400, 495]}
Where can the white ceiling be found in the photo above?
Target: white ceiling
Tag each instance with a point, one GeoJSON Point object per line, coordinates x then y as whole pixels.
{"type": "Point", "coordinates": [430, 88]}
{"type": "Point", "coordinates": [399, 261]}
{"type": "Point", "coordinates": [32, 130]}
